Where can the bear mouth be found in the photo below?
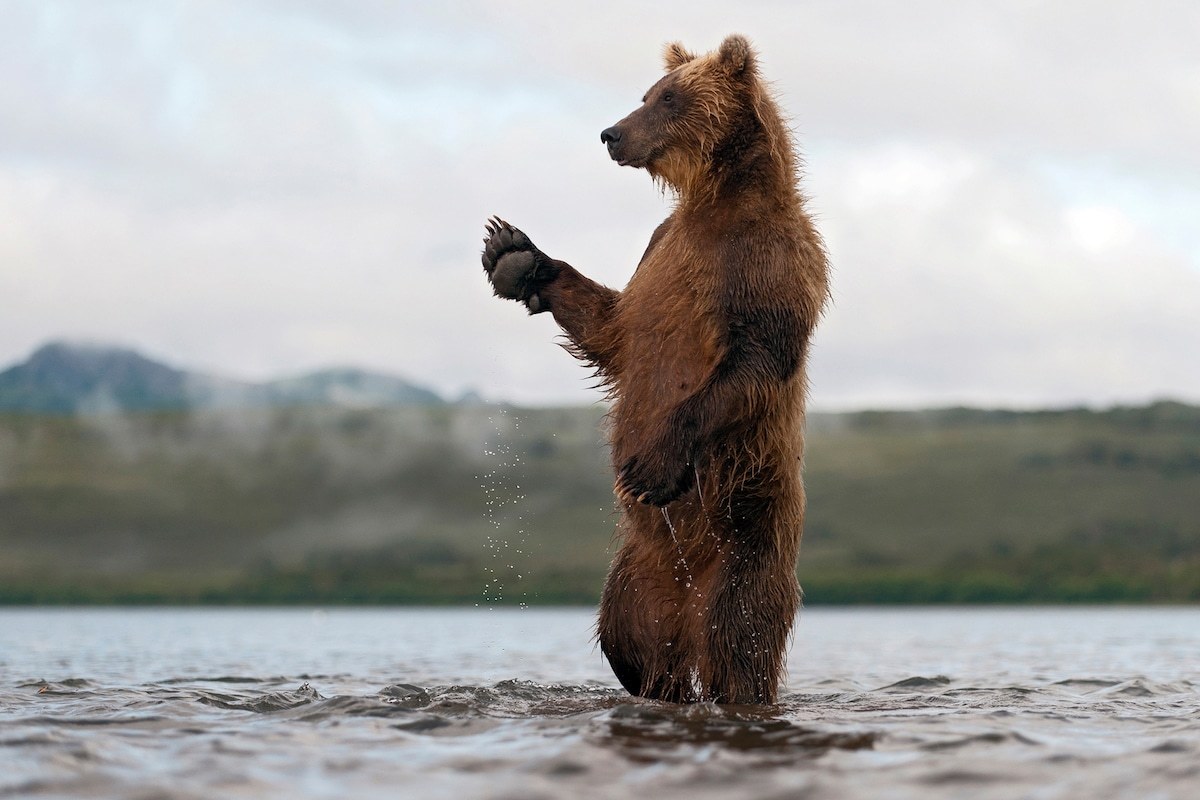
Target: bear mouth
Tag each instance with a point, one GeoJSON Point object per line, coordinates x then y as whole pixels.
{"type": "Point", "coordinates": [637, 162]}
{"type": "Point", "coordinates": [625, 159]}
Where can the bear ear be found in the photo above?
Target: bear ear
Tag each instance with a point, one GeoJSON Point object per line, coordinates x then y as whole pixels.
{"type": "Point", "coordinates": [736, 55]}
{"type": "Point", "coordinates": [675, 56]}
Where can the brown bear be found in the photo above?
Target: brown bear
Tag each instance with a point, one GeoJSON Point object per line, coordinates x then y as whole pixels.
{"type": "Point", "coordinates": [704, 356]}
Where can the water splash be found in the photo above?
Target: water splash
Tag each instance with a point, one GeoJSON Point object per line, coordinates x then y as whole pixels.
{"type": "Point", "coordinates": [682, 561]}
{"type": "Point", "coordinates": [503, 499]}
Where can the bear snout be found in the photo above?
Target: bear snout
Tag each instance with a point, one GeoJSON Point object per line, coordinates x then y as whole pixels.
{"type": "Point", "coordinates": [611, 137]}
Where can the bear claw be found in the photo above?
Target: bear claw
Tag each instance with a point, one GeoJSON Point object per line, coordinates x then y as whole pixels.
{"type": "Point", "coordinates": [516, 269]}
{"type": "Point", "coordinates": [641, 482]}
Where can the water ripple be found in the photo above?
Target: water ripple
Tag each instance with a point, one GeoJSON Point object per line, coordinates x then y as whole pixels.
{"type": "Point", "coordinates": [944, 730]}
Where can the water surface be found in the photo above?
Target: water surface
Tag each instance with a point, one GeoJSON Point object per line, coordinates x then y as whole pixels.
{"type": "Point", "coordinates": [436, 703]}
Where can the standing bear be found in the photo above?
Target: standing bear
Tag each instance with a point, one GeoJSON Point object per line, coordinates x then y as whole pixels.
{"type": "Point", "coordinates": [704, 357]}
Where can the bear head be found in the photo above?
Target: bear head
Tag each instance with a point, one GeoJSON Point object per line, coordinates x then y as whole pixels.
{"type": "Point", "coordinates": [707, 121]}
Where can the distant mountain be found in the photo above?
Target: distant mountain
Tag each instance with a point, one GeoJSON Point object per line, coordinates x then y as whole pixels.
{"type": "Point", "coordinates": [69, 378]}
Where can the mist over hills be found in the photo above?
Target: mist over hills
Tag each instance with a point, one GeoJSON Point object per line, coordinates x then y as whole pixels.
{"type": "Point", "coordinates": [74, 378]}
{"type": "Point", "coordinates": [472, 503]}
{"type": "Point", "coordinates": [123, 479]}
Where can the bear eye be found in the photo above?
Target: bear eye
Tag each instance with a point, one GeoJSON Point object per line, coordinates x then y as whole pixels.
{"type": "Point", "coordinates": [668, 96]}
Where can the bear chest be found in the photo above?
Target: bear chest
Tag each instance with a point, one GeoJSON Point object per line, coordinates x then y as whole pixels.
{"type": "Point", "coordinates": [670, 334]}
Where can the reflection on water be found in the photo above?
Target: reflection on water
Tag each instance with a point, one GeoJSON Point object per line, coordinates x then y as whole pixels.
{"type": "Point", "coordinates": [291, 703]}
{"type": "Point", "coordinates": [660, 734]}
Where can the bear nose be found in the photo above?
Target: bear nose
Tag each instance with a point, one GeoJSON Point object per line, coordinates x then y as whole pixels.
{"type": "Point", "coordinates": [610, 135]}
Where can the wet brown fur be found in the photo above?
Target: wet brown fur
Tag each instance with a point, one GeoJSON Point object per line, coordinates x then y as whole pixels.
{"type": "Point", "coordinates": [704, 355]}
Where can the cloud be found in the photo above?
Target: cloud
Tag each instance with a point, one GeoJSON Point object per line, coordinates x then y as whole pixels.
{"type": "Point", "coordinates": [266, 187]}
{"type": "Point", "coordinates": [961, 282]}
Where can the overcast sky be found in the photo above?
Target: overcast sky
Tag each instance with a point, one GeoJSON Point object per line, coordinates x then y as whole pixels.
{"type": "Point", "coordinates": [1009, 191]}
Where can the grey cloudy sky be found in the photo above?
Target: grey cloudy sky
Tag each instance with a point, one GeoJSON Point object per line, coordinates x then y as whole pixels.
{"type": "Point", "coordinates": [1009, 191]}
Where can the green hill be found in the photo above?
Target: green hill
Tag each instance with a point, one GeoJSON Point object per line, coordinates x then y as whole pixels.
{"type": "Point", "coordinates": [462, 504]}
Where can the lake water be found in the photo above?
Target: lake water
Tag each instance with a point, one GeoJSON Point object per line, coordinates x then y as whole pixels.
{"type": "Point", "coordinates": [510, 703]}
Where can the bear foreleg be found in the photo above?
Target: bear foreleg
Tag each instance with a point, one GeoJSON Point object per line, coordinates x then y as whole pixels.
{"type": "Point", "coordinates": [520, 271]}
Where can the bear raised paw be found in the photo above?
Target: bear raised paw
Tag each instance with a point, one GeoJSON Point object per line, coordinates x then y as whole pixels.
{"type": "Point", "coordinates": [516, 269]}
{"type": "Point", "coordinates": [703, 354]}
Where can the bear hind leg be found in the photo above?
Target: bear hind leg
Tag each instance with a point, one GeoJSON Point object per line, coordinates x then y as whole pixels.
{"type": "Point", "coordinates": [662, 679]}
{"type": "Point", "coordinates": [749, 621]}
{"type": "Point", "coordinates": [640, 634]}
